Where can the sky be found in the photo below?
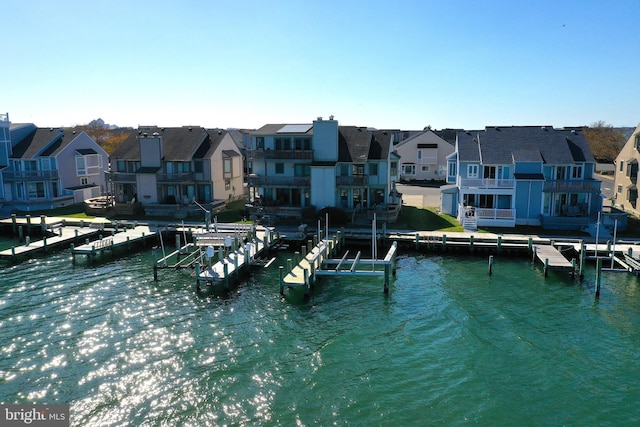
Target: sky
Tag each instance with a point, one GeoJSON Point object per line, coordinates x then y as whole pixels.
{"type": "Point", "coordinates": [395, 64]}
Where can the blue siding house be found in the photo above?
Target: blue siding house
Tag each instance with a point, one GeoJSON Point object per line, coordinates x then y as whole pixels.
{"type": "Point", "coordinates": [522, 175]}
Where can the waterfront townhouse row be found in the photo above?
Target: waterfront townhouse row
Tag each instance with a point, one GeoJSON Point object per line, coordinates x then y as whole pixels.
{"type": "Point", "coordinates": [45, 168]}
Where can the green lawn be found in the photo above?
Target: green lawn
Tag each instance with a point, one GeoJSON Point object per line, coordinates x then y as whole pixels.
{"type": "Point", "coordinates": [412, 218]}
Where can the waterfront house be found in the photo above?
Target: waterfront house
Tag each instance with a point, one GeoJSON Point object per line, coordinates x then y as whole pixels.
{"type": "Point", "coordinates": [322, 164]}
{"type": "Point", "coordinates": [46, 168]}
{"type": "Point", "coordinates": [522, 175]}
{"type": "Point", "coordinates": [626, 175]}
{"type": "Point", "coordinates": [424, 157]}
{"type": "Point", "coordinates": [166, 169]}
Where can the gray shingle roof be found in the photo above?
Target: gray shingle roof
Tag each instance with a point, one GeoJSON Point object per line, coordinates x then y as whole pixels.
{"type": "Point", "coordinates": [180, 143]}
{"type": "Point", "coordinates": [45, 142]}
{"type": "Point", "coordinates": [506, 144]}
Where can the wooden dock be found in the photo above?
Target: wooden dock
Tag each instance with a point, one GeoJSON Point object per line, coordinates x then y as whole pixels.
{"type": "Point", "coordinates": [552, 258]}
{"type": "Point", "coordinates": [241, 256]}
{"type": "Point", "coordinates": [66, 236]}
{"type": "Point", "coordinates": [124, 237]}
{"type": "Point", "coordinates": [319, 261]}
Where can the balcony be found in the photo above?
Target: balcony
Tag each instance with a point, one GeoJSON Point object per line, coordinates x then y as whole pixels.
{"type": "Point", "coordinates": [351, 181]}
{"type": "Point", "coordinates": [30, 175]}
{"type": "Point", "coordinates": [485, 183]}
{"type": "Point", "coordinates": [165, 178]}
{"type": "Point", "coordinates": [121, 177]}
{"type": "Point", "coordinates": [279, 181]}
{"type": "Point", "coordinates": [280, 155]}
{"type": "Point", "coordinates": [590, 185]}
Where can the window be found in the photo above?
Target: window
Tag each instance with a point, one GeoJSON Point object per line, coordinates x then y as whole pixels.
{"type": "Point", "coordinates": [302, 143]}
{"type": "Point", "coordinates": [373, 169]}
{"type": "Point", "coordinates": [357, 170]}
{"type": "Point", "coordinates": [132, 167]}
{"type": "Point", "coordinates": [301, 170]}
{"type": "Point", "coordinates": [198, 166]}
{"type": "Point", "coordinates": [394, 168]}
{"type": "Point", "coordinates": [279, 167]}
{"type": "Point", "coordinates": [183, 167]}
{"type": "Point", "coordinates": [561, 172]}
{"type": "Point", "coordinates": [227, 166]}
{"type": "Point", "coordinates": [89, 164]}
{"type": "Point", "coordinates": [452, 169]}
{"type": "Point", "coordinates": [84, 181]}
{"type": "Point", "coordinates": [621, 166]}
{"type": "Point", "coordinates": [577, 172]}
{"type": "Point", "coordinates": [425, 168]}
{"type": "Point", "coordinates": [260, 142]}
{"type": "Point", "coordinates": [227, 184]}
{"type": "Point", "coordinates": [472, 171]}
{"type": "Point", "coordinates": [619, 189]}
{"type": "Point", "coordinates": [121, 166]}
{"type": "Point", "coordinates": [35, 190]}
{"type": "Point", "coordinates": [637, 142]}
{"type": "Point", "coordinates": [283, 144]}
{"type": "Point", "coordinates": [489, 172]}
{"type": "Point", "coordinates": [344, 170]}
{"type": "Point", "coordinates": [409, 169]}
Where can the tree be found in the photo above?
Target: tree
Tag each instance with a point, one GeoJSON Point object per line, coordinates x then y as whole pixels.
{"type": "Point", "coordinates": [107, 138]}
{"type": "Point", "coordinates": [604, 141]}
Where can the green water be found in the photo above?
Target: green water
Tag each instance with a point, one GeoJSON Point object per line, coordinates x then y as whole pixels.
{"type": "Point", "coordinates": [449, 345]}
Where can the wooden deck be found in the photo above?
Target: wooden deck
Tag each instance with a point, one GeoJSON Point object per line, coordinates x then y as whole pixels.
{"type": "Point", "coordinates": [66, 236]}
{"type": "Point", "coordinates": [552, 258]}
{"type": "Point", "coordinates": [124, 237]}
{"type": "Point", "coordinates": [233, 262]}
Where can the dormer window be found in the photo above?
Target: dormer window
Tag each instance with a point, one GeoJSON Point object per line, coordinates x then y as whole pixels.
{"type": "Point", "coordinates": [577, 172]}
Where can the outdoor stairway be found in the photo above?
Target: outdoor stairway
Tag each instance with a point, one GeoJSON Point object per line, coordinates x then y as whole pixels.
{"type": "Point", "coordinates": [470, 223]}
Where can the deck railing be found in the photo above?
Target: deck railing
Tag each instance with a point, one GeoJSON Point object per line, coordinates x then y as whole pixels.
{"type": "Point", "coordinates": [351, 181]}
{"type": "Point", "coordinates": [121, 177]}
{"type": "Point", "coordinates": [572, 185]}
{"type": "Point", "coordinates": [280, 154]}
{"type": "Point", "coordinates": [279, 181]}
{"type": "Point", "coordinates": [486, 183]}
{"type": "Point", "coordinates": [30, 175]}
{"type": "Point", "coordinates": [494, 213]}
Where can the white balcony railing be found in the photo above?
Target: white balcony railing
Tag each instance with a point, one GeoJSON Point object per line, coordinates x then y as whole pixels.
{"type": "Point", "coordinates": [486, 183]}
{"type": "Point", "coordinates": [494, 213]}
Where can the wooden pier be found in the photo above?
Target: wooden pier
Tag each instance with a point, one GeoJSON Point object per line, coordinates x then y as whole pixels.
{"type": "Point", "coordinates": [319, 261]}
{"type": "Point", "coordinates": [65, 236]}
{"type": "Point", "coordinates": [552, 259]}
{"type": "Point", "coordinates": [241, 256]}
{"type": "Point", "coordinates": [120, 238]}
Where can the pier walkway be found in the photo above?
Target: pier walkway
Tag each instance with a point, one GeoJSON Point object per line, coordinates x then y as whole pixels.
{"type": "Point", "coordinates": [237, 259]}
{"type": "Point", "coordinates": [67, 235]}
{"type": "Point", "coordinates": [124, 237]}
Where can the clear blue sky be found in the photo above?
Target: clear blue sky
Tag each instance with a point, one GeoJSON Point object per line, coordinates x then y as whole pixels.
{"type": "Point", "coordinates": [385, 64]}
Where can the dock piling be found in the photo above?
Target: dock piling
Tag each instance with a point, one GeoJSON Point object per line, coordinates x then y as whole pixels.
{"type": "Point", "coordinates": [598, 277]}
{"type": "Point", "coordinates": [490, 264]}
{"type": "Point", "coordinates": [155, 264]}
{"type": "Point", "coordinates": [546, 267]}
{"type": "Point", "coordinates": [280, 271]}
